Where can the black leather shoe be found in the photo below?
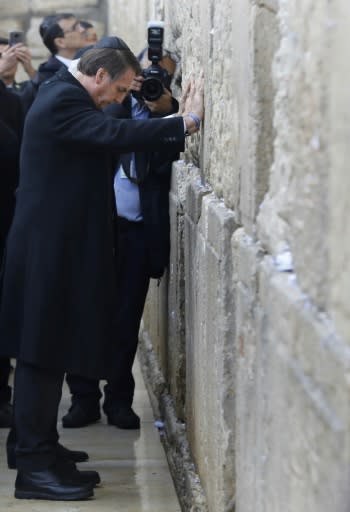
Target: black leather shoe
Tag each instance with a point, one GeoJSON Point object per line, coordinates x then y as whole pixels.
{"type": "Point", "coordinates": [74, 455]}
{"type": "Point", "coordinates": [78, 417]}
{"type": "Point", "coordinates": [50, 484]}
{"type": "Point", "coordinates": [6, 415]}
{"type": "Point", "coordinates": [63, 453]}
{"type": "Point", "coordinates": [123, 417]}
{"type": "Point", "coordinates": [69, 469]}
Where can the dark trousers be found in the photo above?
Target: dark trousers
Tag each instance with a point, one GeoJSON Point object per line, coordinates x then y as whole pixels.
{"type": "Point", "coordinates": [133, 277]}
{"type": "Point", "coordinates": [5, 390]}
{"type": "Point", "coordinates": [37, 394]}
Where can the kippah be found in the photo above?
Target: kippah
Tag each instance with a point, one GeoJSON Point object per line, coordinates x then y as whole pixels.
{"type": "Point", "coordinates": [112, 42]}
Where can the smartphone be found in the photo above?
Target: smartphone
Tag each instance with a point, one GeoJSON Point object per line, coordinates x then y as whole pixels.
{"type": "Point", "coordinates": [15, 37]}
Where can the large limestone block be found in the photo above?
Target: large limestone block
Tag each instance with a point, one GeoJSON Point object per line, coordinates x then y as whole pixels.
{"type": "Point", "coordinates": [155, 320]}
{"type": "Point", "coordinates": [246, 257]}
{"type": "Point", "coordinates": [210, 348]}
{"type": "Point", "coordinates": [224, 123]}
{"type": "Point", "coordinates": [294, 213]}
{"type": "Point", "coordinates": [182, 175]}
{"type": "Point", "coordinates": [304, 432]}
{"type": "Point", "coordinates": [339, 177]}
{"type": "Point", "coordinates": [256, 141]}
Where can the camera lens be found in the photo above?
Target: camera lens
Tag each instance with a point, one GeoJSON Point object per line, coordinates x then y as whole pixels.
{"type": "Point", "coordinates": [152, 89]}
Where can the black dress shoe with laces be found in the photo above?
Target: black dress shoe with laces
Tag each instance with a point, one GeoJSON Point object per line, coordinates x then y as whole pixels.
{"type": "Point", "coordinates": [51, 484]}
{"type": "Point", "coordinates": [123, 416]}
{"type": "Point", "coordinates": [78, 417]}
{"type": "Point", "coordinates": [6, 415]}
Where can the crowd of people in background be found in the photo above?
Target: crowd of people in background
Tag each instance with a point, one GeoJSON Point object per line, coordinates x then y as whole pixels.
{"type": "Point", "coordinates": [84, 227]}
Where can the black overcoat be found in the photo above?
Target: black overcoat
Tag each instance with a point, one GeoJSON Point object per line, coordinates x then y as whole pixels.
{"type": "Point", "coordinates": [58, 290]}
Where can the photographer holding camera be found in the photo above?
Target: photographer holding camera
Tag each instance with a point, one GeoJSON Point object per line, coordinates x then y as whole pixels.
{"type": "Point", "coordinates": [142, 234]}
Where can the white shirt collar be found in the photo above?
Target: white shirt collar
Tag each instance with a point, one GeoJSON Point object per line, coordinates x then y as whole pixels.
{"type": "Point", "coordinates": [64, 60]}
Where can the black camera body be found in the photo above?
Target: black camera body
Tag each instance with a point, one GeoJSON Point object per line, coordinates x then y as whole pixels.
{"type": "Point", "coordinates": [155, 77]}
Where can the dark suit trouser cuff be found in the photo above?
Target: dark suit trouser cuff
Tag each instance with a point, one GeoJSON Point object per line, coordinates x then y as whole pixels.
{"type": "Point", "coordinates": [37, 394]}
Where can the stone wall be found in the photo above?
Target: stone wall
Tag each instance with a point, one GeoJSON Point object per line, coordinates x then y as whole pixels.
{"type": "Point", "coordinates": [254, 355]}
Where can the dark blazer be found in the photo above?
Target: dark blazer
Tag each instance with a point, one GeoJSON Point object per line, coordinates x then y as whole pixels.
{"type": "Point", "coordinates": [58, 294]}
{"type": "Point", "coordinates": [26, 91]}
{"type": "Point", "coordinates": [153, 170]}
{"type": "Point", "coordinates": [47, 69]}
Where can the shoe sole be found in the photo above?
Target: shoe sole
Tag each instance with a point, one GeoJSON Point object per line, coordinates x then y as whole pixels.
{"type": "Point", "coordinates": [80, 425]}
{"type": "Point", "coordinates": [30, 495]}
{"type": "Point", "coordinates": [124, 426]}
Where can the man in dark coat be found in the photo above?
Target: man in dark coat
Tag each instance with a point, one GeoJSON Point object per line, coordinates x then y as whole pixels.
{"type": "Point", "coordinates": [58, 299]}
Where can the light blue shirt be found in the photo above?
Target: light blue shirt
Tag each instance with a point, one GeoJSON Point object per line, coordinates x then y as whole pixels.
{"type": "Point", "coordinates": [127, 193]}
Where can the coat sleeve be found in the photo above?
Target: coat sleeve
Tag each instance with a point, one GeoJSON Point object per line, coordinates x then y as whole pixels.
{"type": "Point", "coordinates": [76, 121]}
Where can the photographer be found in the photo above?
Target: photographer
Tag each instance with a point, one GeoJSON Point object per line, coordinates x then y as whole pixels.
{"type": "Point", "coordinates": [142, 235]}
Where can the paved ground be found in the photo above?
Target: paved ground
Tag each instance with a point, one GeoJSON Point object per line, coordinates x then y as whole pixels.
{"type": "Point", "coordinates": [132, 465]}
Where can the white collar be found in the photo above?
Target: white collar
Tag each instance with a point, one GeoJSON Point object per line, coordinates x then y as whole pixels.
{"type": "Point", "coordinates": [64, 60]}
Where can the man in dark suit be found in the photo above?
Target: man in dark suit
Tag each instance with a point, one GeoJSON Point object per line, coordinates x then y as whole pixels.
{"type": "Point", "coordinates": [61, 36]}
{"type": "Point", "coordinates": [142, 230]}
{"type": "Point", "coordinates": [58, 299]}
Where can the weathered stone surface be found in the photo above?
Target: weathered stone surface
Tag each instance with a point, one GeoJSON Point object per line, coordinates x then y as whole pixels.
{"type": "Point", "coordinates": [133, 29]}
{"type": "Point", "coordinates": [61, 5]}
{"type": "Point", "coordinates": [246, 257]}
{"type": "Point", "coordinates": [181, 178]}
{"type": "Point", "coordinates": [305, 402]}
{"type": "Point", "coordinates": [339, 228]}
{"type": "Point", "coordinates": [256, 141]}
{"type": "Point", "coordinates": [209, 333]}
{"type": "Point", "coordinates": [296, 208]}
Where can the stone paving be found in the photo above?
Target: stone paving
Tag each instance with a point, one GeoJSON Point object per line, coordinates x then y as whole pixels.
{"type": "Point", "coordinates": [132, 465]}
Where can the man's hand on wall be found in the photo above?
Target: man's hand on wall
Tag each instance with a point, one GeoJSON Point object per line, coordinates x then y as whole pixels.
{"type": "Point", "coordinates": [192, 103]}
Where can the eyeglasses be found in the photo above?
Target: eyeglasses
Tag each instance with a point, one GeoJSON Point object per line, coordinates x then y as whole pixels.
{"type": "Point", "coordinates": [69, 31]}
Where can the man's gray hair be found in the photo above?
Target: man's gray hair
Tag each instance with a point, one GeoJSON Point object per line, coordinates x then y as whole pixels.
{"type": "Point", "coordinates": [115, 62]}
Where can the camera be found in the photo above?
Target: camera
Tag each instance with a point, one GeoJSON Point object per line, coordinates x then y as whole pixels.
{"type": "Point", "coordinates": [155, 77]}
